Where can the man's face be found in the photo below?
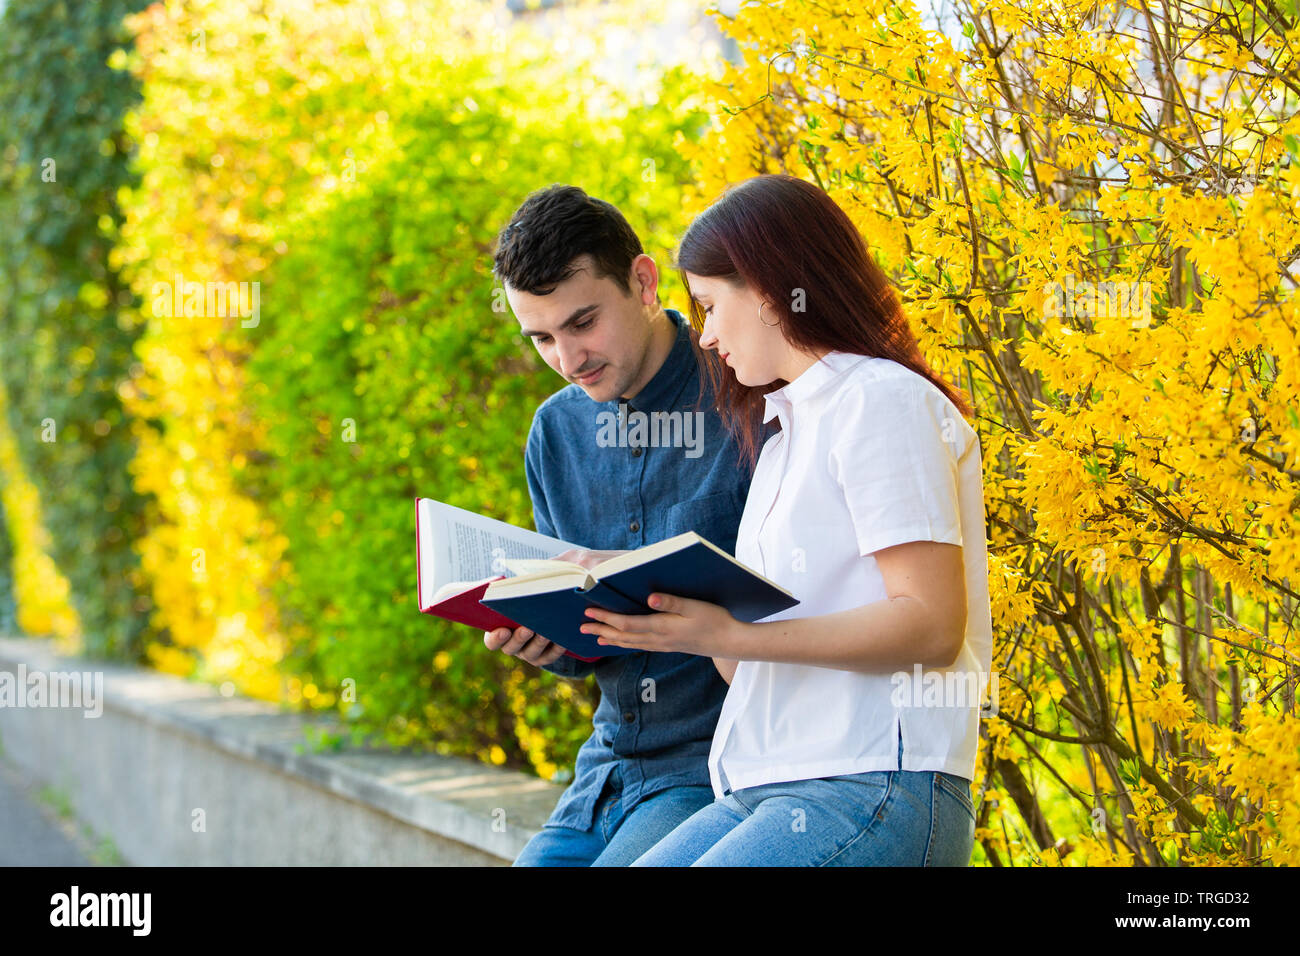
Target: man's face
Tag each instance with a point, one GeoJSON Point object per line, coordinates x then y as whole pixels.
{"type": "Point", "coordinates": [590, 331]}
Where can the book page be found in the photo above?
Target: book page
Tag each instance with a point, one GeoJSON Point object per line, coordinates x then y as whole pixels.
{"type": "Point", "coordinates": [649, 553]}
{"type": "Point", "coordinates": [459, 545]}
{"type": "Point", "coordinates": [561, 578]}
{"type": "Point", "coordinates": [452, 588]}
{"type": "Point", "coordinates": [531, 566]}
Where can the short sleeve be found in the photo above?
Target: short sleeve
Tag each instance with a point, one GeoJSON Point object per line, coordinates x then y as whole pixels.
{"type": "Point", "coordinates": [896, 459]}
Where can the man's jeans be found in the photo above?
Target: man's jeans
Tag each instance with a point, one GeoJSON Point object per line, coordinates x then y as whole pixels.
{"type": "Point", "coordinates": [881, 818]}
{"type": "Point", "coordinates": [616, 837]}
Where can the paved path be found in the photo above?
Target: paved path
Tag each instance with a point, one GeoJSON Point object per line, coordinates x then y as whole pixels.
{"type": "Point", "coordinates": [29, 835]}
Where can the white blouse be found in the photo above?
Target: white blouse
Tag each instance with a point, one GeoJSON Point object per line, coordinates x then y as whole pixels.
{"type": "Point", "coordinates": [870, 455]}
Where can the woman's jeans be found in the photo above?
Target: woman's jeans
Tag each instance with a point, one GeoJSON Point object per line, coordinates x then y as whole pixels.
{"type": "Point", "coordinates": [880, 818]}
{"type": "Point", "coordinates": [619, 833]}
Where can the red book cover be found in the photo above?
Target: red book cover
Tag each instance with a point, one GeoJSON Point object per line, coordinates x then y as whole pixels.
{"type": "Point", "coordinates": [464, 607]}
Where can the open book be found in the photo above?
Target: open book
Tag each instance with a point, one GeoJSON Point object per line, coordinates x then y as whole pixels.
{"type": "Point", "coordinates": [550, 597]}
{"type": "Point", "coordinates": [462, 558]}
{"type": "Point", "coordinates": [458, 552]}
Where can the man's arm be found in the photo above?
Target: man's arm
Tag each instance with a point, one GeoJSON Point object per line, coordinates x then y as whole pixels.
{"type": "Point", "coordinates": [523, 643]}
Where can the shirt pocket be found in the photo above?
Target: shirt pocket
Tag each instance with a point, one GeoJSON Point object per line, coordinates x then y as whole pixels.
{"type": "Point", "coordinates": [713, 517]}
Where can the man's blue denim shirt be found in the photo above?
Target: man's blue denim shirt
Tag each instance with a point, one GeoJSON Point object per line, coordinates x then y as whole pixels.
{"type": "Point", "coordinates": [589, 486]}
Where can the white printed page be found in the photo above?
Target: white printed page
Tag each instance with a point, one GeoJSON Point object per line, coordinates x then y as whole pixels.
{"type": "Point", "coordinates": [459, 545]}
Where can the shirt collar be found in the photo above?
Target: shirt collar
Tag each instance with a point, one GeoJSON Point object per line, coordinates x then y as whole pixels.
{"type": "Point", "coordinates": [811, 381]}
{"type": "Point", "coordinates": [661, 391]}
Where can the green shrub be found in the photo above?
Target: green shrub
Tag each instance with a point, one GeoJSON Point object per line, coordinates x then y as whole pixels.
{"type": "Point", "coordinates": [383, 314]}
{"type": "Point", "coordinates": [65, 347]}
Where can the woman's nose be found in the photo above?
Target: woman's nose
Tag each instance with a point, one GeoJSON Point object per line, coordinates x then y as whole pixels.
{"type": "Point", "coordinates": [707, 339]}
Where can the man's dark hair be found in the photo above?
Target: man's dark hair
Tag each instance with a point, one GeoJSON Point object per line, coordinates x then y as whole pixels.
{"type": "Point", "coordinates": [554, 226]}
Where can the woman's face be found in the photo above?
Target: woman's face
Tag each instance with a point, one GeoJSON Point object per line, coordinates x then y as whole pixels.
{"type": "Point", "coordinates": [755, 350]}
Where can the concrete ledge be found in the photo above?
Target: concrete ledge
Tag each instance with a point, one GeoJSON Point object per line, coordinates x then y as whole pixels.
{"type": "Point", "coordinates": [178, 775]}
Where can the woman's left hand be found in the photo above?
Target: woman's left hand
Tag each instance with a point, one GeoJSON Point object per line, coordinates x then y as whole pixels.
{"type": "Point", "coordinates": [683, 625]}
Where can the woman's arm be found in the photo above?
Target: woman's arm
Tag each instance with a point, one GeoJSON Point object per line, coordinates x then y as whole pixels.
{"type": "Point", "coordinates": [923, 621]}
{"type": "Point", "coordinates": [726, 667]}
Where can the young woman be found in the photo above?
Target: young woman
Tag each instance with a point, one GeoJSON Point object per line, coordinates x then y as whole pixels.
{"type": "Point", "coordinates": [849, 732]}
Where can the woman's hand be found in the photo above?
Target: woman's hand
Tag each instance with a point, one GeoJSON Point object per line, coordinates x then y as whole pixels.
{"type": "Point", "coordinates": [683, 625]}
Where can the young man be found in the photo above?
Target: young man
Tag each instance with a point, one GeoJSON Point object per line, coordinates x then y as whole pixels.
{"type": "Point", "coordinates": [587, 296]}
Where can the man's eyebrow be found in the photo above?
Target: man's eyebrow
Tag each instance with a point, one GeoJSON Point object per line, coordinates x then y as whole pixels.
{"type": "Point", "coordinates": [574, 317]}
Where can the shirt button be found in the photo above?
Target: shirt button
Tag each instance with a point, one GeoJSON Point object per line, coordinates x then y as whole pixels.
{"type": "Point", "coordinates": [629, 716]}
{"type": "Point", "coordinates": [635, 526]}
{"type": "Point", "coordinates": [636, 451]}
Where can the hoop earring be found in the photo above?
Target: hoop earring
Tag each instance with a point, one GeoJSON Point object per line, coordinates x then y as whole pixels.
{"type": "Point", "coordinates": [771, 325]}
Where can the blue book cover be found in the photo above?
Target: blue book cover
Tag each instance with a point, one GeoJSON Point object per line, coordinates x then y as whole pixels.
{"type": "Point", "coordinates": [686, 565]}
{"type": "Point", "coordinates": [557, 615]}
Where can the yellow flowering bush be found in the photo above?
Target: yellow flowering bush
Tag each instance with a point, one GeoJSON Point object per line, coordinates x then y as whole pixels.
{"type": "Point", "coordinates": [40, 592]}
{"type": "Point", "coordinates": [1091, 212]}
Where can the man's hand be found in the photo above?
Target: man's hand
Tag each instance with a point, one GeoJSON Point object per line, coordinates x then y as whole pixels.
{"type": "Point", "coordinates": [524, 644]}
{"type": "Point", "coordinates": [588, 559]}
{"type": "Point", "coordinates": [533, 648]}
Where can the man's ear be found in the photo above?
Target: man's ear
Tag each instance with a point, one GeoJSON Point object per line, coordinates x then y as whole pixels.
{"type": "Point", "coordinates": [645, 277]}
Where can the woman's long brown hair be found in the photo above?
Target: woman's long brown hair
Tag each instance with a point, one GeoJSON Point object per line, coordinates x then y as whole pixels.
{"type": "Point", "coordinates": [787, 239]}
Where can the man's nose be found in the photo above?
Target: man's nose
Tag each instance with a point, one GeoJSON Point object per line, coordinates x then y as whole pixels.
{"type": "Point", "coordinates": [571, 357]}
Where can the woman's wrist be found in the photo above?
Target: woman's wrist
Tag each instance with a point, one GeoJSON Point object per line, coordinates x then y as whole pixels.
{"type": "Point", "coordinates": [735, 638]}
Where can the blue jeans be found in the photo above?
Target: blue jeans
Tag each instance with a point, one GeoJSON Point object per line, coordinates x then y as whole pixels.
{"type": "Point", "coordinates": [881, 818]}
{"type": "Point", "coordinates": [617, 836]}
